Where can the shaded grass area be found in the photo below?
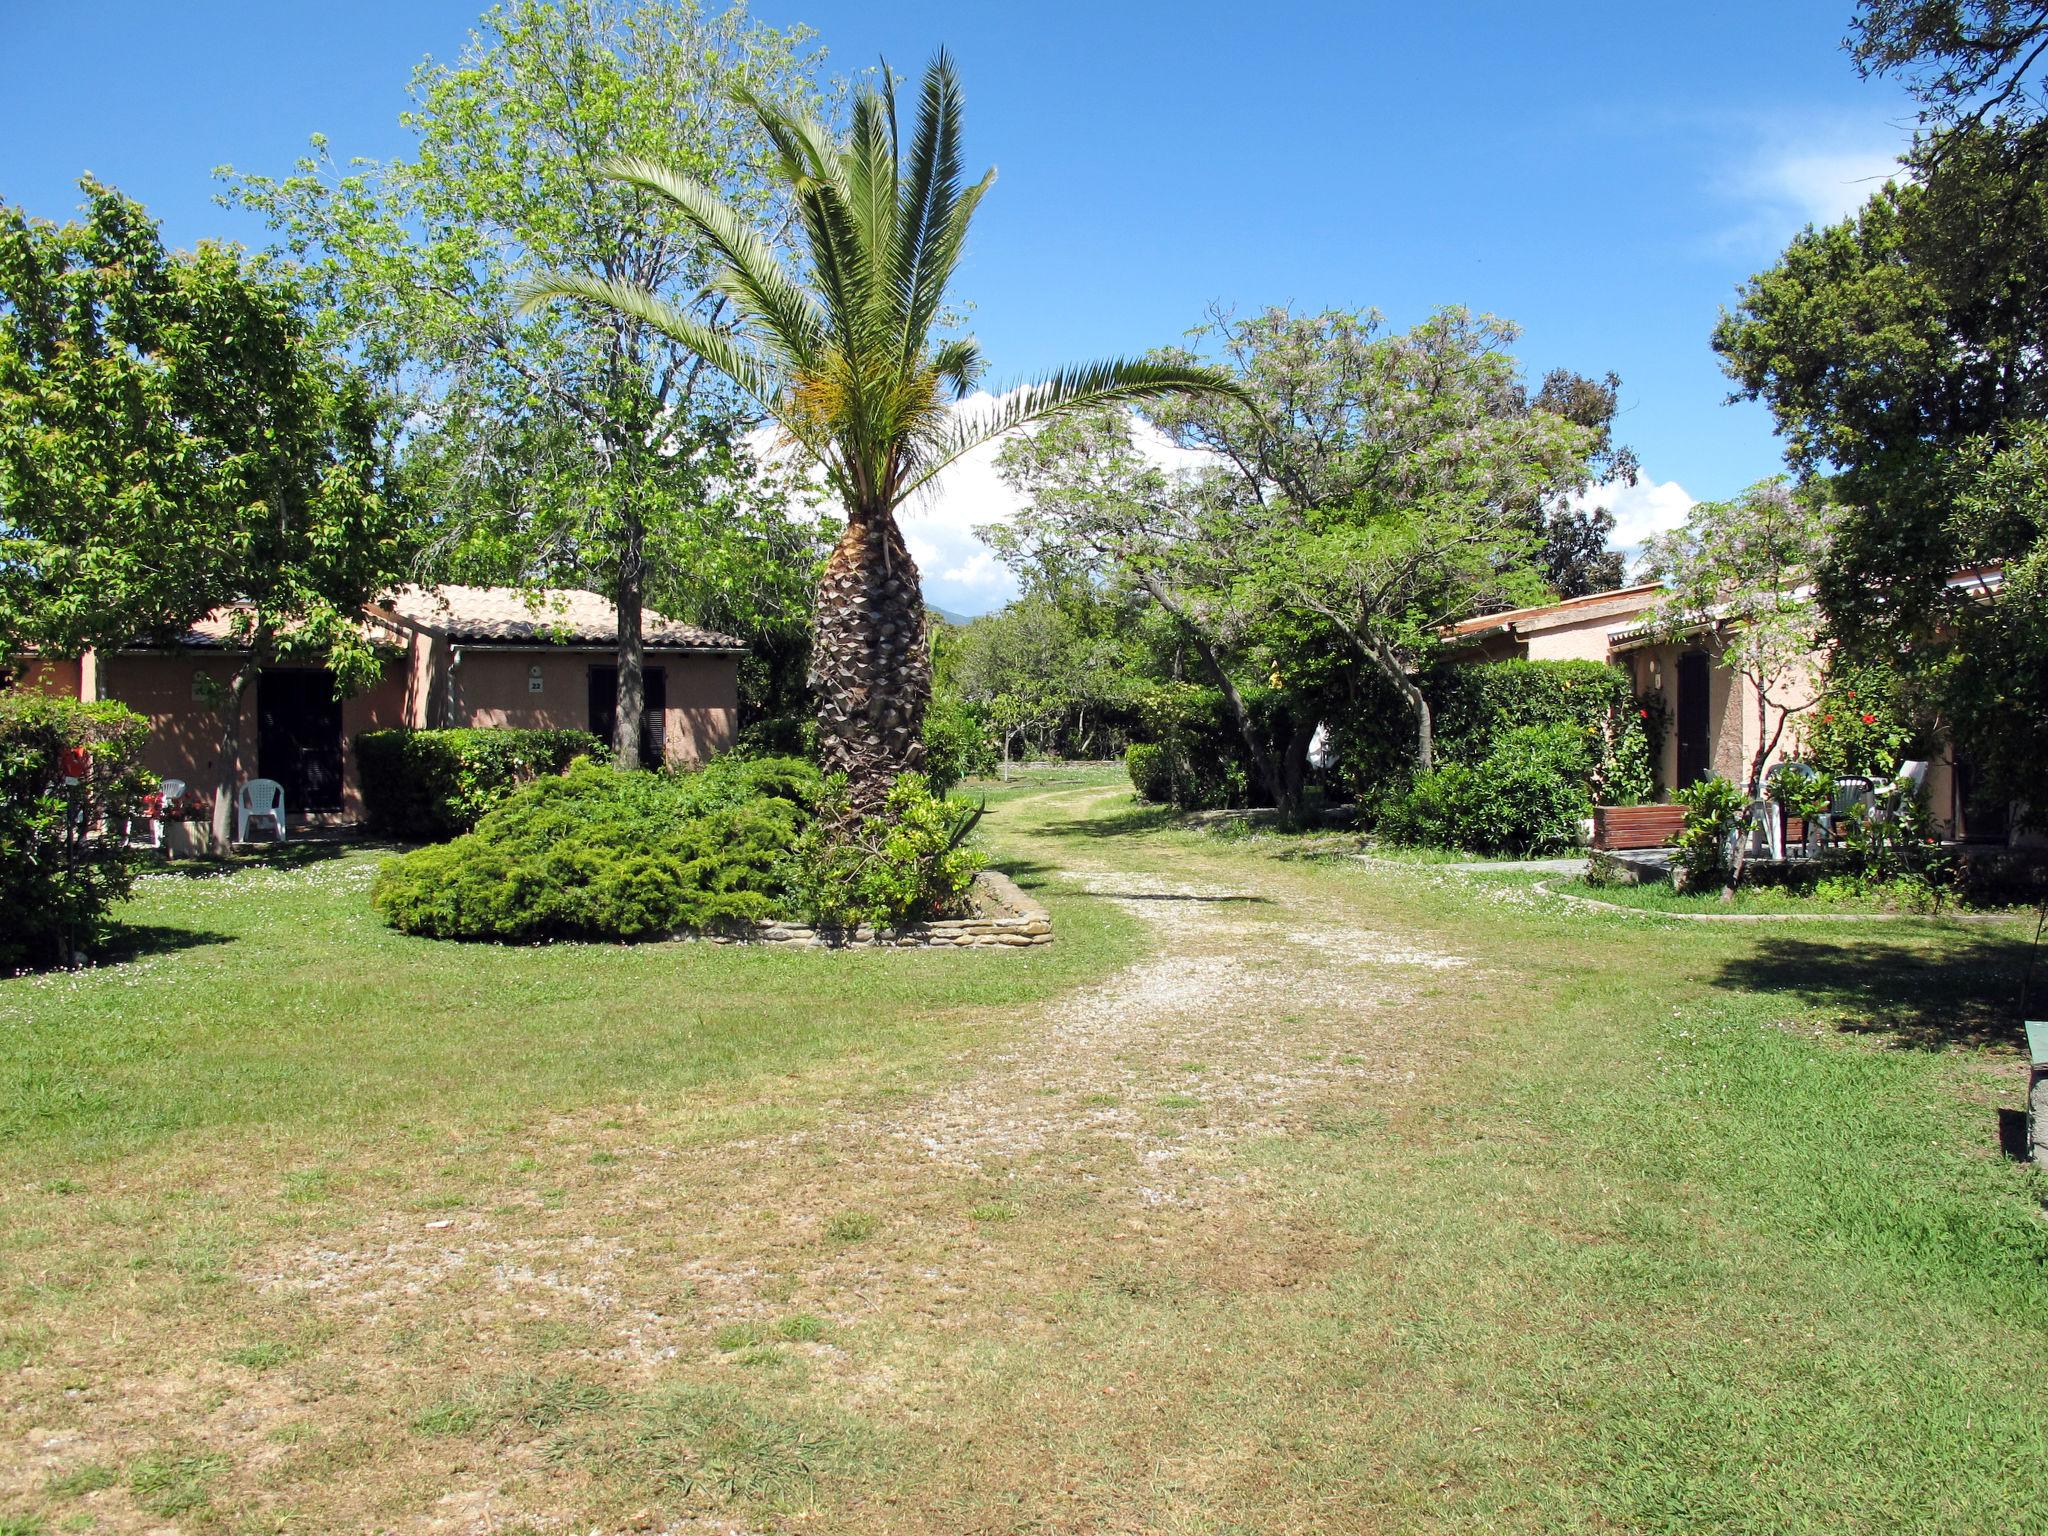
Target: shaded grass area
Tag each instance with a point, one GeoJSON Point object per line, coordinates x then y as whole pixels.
{"type": "Point", "coordinates": [1644, 1227]}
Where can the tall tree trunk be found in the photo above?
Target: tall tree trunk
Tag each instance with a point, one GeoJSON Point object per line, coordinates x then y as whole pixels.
{"type": "Point", "coordinates": [228, 772]}
{"type": "Point", "coordinates": [632, 690]}
{"type": "Point", "coordinates": [631, 650]}
{"type": "Point", "coordinates": [871, 662]}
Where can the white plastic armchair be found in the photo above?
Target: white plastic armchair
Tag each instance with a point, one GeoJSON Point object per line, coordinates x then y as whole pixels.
{"type": "Point", "coordinates": [1887, 798]}
{"type": "Point", "coordinates": [259, 800]}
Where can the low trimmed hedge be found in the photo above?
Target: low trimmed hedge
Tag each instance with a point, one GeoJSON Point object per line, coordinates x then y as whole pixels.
{"type": "Point", "coordinates": [599, 854]}
{"type": "Point", "coordinates": [429, 786]}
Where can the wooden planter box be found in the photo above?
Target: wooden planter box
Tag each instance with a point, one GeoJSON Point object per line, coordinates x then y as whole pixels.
{"type": "Point", "coordinates": [1617, 827]}
{"type": "Point", "coordinates": [188, 839]}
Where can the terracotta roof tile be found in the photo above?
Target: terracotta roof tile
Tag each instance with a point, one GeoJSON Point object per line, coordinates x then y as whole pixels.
{"type": "Point", "coordinates": [549, 616]}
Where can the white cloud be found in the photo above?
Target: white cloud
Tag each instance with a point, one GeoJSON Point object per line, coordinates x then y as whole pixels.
{"type": "Point", "coordinates": [960, 572]}
{"type": "Point", "coordinates": [1812, 175]}
{"type": "Point", "coordinates": [1640, 510]}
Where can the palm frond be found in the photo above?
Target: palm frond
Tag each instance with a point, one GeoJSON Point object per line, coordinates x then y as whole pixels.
{"type": "Point", "coordinates": [750, 273]}
{"type": "Point", "coordinates": [921, 263]}
{"type": "Point", "coordinates": [721, 350]}
{"type": "Point", "coordinates": [1111, 382]}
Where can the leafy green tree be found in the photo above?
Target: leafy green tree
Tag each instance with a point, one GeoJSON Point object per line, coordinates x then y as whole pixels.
{"type": "Point", "coordinates": [1993, 672]}
{"type": "Point", "coordinates": [1968, 61]}
{"type": "Point", "coordinates": [1740, 570]}
{"type": "Point", "coordinates": [570, 444]}
{"type": "Point", "coordinates": [845, 356]}
{"type": "Point", "coordinates": [1389, 485]}
{"type": "Point", "coordinates": [1098, 511]}
{"type": "Point", "coordinates": [174, 442]}
{"type": "Point", "coordinates": [1884, 346]}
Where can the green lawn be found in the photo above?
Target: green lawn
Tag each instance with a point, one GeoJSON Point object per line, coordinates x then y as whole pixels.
{"type": "Point", "coordinates": [1281, 1193]}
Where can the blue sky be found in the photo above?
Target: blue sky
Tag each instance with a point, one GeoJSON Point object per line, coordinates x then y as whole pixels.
{"type": "Point", "coordinates": [1603, 174]}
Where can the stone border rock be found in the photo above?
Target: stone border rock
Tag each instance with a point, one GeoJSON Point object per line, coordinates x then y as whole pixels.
{"type": "Point", "coordinates": [1003, 918]}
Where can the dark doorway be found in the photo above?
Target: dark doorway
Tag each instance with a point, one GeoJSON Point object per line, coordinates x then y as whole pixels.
{"type": "Point", "coordinates": [298, 736]}
{"type": "Point", "coordinates": [1695, 748]}
{"type": "Point", "coordinates": [604, 710]}
{"type": "Point", "coordinates": [1979, 817]}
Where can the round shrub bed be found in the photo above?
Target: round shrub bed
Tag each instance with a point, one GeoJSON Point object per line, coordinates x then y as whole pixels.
{"type": "Point", "coordinates": [600, 854]}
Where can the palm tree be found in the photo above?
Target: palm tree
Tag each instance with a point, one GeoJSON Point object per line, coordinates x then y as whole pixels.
{"type": "Point", "coordinates": [841, 354]}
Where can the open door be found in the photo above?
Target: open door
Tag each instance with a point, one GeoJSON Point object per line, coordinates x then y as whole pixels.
{"type": "Point", "coordinates": [298, 736]}
{"type": "Point", "coordinates": [604, 711]}
{"type": "Point", "coordinates": [1695, 741]}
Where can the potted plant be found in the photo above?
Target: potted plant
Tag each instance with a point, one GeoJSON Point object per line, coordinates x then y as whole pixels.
{"type": "Point", "coordinates": [187, 823]}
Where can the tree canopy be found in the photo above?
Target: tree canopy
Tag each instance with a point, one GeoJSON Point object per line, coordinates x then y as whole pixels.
{"type": "Point", "coordinates": [174, 441]}
{"type": "Point", "coordinates": [570, 445]}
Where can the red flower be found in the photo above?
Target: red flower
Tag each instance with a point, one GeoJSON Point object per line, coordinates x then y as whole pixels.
{"type": "Point", "coordinates": [1827, 719]}
{"type": "Point", "coordinates": [1644, 713]}
{"type": "Point", "coordinates": [1852, 693]}
{"type": "Point", "coordinates": [1870, 719]}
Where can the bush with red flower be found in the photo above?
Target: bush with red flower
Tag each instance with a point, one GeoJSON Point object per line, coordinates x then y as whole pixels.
{"type": "Point", "coordinates": [1859, 725]}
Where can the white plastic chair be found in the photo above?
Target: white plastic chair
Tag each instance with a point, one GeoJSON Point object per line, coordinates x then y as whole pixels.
{"type": "Point", "coordinates": [259, 800]}
{"type": "Point", "coordinates": [167, 793]}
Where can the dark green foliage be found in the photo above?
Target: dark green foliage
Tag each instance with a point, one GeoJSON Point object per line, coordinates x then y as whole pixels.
{"type": "Point", "coordinates": [1477, 706]}
{"type": "Point", "coordinates": [1150, 771]}
{"type": "Point", "coordinates": [1714, 814]}
{"type": "Point", "coordinates": [599, 854]}
{"type": "Point", "coordinates": [429, 786]}
{"type": "Point", "coordinates": [957, 744]}
{"type": "Point", "coordinates": [1202, 755]}
{"type": "Point", "coordinates": [57, 883]}
{"type": "Point", "coordinates": [1859, 724]}
{"type": "Point", "coordinates": [1528, 795]}
{"type": "Point", "coordinates": [1581, 716]}
{"type": "Point", "coordinates": [905, 864]}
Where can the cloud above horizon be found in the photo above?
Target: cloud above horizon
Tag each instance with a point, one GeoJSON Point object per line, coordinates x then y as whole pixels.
{"type": "Point", "coordinates": [1812, 175]}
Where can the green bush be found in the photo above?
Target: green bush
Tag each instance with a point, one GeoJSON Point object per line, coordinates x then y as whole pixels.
{"type": "Point", "coordinates": [429, 786]}
{"type": "Point", "coordinates": [1475, 709]}
{"type": "Point", "coordinates": [599, 854]}
{"type": "Point", "coordinates": [1201, 753]}
{"type": "Point", "coordinates": [1858, 725]}
{"type": "Point", "coordinates": [906, 864]}
{"type": "Point", "coordinates": [58, 881]}
{"type": "Point", "coordinates": [1151, 771]}
{"type": "Point", "coordinates": [1715, 811]}
{"type": "Point", "coordinates": [1528, 796]}
{"type": "Point", "coordinates": [957, 744]}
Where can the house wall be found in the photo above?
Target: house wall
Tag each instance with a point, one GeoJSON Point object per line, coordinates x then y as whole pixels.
{"type": "Point", "coordinates": [186, 731]}
{"type": "Point", "coordinates": [1581, 640]}
{"type": "Point", "coordinates": [1732, 724]}
{"type": "Point", "coordinates": [491, 688]}
{"type": "Point", "coordinates": [62, 676]}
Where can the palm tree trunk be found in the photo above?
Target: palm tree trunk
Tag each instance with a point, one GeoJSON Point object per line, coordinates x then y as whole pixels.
{"type": "Point", "coordinates": [870, 661]}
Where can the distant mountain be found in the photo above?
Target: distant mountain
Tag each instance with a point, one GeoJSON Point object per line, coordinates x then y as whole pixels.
{"type": "Point", "coordinates": [947, 614]}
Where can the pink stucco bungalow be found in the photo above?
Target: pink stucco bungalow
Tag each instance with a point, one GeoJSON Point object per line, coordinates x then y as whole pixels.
{"type": "Point", "coordinates": [1713, 708]}
{"type": "Point", "coordinates": [468, 656]}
